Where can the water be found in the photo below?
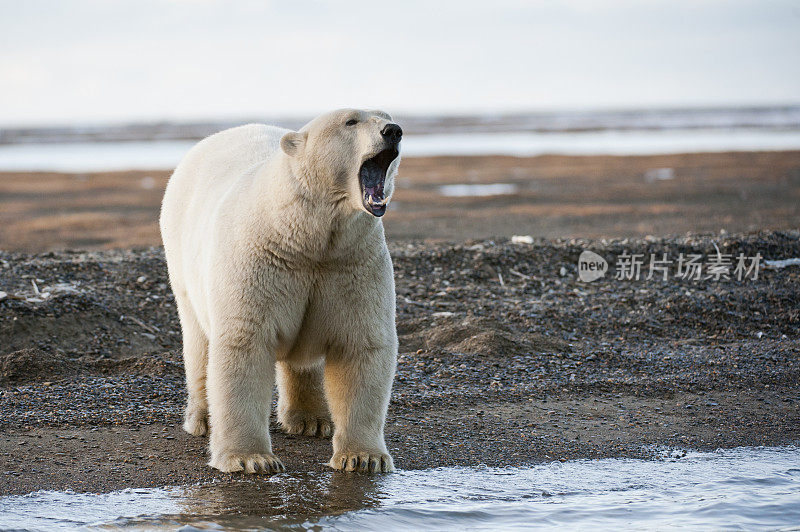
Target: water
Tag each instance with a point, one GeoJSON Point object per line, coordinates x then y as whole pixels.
{"type": "Point", "coordinates": [93, 156]}
{"type": "Point", "coordinates": [745, 488]}
{"type": "Point", "coordinates": [477, 189]}
{"type": "Point", "coordinates": [165, 154]}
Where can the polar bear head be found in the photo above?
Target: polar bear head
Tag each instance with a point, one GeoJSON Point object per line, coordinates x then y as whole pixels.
{"type": "Point", "coordinates": [349, 155]}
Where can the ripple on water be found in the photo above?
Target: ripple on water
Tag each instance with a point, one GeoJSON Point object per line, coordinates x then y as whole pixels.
{"type": "Point", "coordinates": [741, 488]}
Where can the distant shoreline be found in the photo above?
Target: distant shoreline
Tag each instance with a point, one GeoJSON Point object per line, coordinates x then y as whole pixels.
{"type": "Point", "coordinates": [785, 117]}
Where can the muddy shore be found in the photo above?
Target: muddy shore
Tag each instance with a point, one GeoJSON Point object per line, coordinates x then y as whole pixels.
{"type": "Point", "coordinates": [551, 196]}
{"type": "Point", "coordinates": [506, 358]}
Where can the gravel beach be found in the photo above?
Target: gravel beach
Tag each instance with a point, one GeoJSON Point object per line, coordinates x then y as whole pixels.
{"type": "Point", "coordinates": [506, 358]}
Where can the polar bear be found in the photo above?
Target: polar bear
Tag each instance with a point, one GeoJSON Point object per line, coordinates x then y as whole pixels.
{"type": "Point", "coordinates": [279, 265]}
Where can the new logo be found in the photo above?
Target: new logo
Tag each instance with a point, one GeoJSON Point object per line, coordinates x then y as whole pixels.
{"type": "Point", "coordinates": [591, 266]}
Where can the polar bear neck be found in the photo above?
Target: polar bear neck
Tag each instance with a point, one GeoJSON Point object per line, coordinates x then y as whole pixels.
{"type": "Point", "coordinates": [304, 224]}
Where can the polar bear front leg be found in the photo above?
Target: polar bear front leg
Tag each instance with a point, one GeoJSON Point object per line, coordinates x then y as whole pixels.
{"type": "Point", "coordinates": [241, 375]}
{"type": "Point", "coordinates": [358, 386]}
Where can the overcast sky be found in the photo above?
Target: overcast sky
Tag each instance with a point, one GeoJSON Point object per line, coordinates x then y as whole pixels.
{"type": "Point", "coordinates": [112, 60]}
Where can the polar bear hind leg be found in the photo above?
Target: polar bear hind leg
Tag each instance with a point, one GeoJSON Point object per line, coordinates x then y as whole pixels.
{"type": "Point", "coordinates": [195, 361]}
{"type": "Point", "coordinates": [301, 400]}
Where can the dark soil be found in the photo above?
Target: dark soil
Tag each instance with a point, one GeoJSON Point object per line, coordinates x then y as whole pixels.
{"type": "Point", "coordinates": [505, 358]}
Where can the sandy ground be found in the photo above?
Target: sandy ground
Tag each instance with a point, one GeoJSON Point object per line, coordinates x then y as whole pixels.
{"type": "Point", "coordinates": [555, 197]}
{"type": "Point", "coordinates": [536, 367]}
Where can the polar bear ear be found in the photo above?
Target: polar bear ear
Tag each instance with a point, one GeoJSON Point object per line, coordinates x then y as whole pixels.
{"type": "Point", "coordinates": [292, 142]}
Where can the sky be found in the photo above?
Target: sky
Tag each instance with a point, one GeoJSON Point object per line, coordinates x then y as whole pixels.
{"type": "Point", "coordinates": [96, 61]}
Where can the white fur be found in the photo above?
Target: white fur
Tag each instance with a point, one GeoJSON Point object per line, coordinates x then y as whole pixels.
{"type": "Point", "coordinates": [280, 274]}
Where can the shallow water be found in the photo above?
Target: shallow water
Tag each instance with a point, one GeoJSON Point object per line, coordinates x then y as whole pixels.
{"type": "Point", "coordinates": [745, 488]}
{"type": "Point", "coordinates": [477, 189]}
{"type": "Point", "coordinates": [162, 154]}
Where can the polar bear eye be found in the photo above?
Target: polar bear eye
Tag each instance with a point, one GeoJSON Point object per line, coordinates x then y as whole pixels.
{"type": "Point", "coordinates": [351, 122]}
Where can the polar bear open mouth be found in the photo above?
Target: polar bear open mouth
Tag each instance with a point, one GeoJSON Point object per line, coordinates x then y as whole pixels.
{"type": "Point", "coordinates": [372, 176]}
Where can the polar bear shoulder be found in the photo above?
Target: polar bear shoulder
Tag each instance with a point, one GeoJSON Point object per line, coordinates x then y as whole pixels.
{"type": "Point", "coordinates": [229, 152]}
{"type": "Point", "coordinates": [209, 170]}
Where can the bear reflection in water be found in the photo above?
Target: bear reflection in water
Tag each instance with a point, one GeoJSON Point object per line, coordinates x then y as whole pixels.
{"type": "Point", "coordinates": [312, 496]}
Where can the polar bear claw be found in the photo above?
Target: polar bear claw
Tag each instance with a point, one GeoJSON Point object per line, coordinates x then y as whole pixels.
{"type": "Point", "coordinates": [362, 462]}
{"type": "Point", "coordinates": [303, 423]}
{"type": "Point", "coordinates": [248, 463]}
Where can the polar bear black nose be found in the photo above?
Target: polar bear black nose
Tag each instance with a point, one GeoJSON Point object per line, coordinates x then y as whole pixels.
{"type": "Point", "coordinates": [392, 133]}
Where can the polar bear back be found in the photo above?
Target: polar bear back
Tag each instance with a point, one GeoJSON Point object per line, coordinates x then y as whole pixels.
{"type": "Point", "coordinates": [211, 167]}
{"type": "Point", "coordinates": [203, 178]}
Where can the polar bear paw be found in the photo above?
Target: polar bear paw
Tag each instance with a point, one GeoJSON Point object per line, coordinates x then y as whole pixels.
{"type": "Point", "coordinates": [363, 462]}
{"type": "Point", "coordinates": [306, 424]}
{"type": "Point", "coordinates": [195, 422]}
{"type": "Point", "coordinates": [249, 463]}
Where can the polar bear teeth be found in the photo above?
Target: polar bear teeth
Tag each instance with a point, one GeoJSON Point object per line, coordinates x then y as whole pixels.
{"type": "Point", "coordinates": [374, 199]}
